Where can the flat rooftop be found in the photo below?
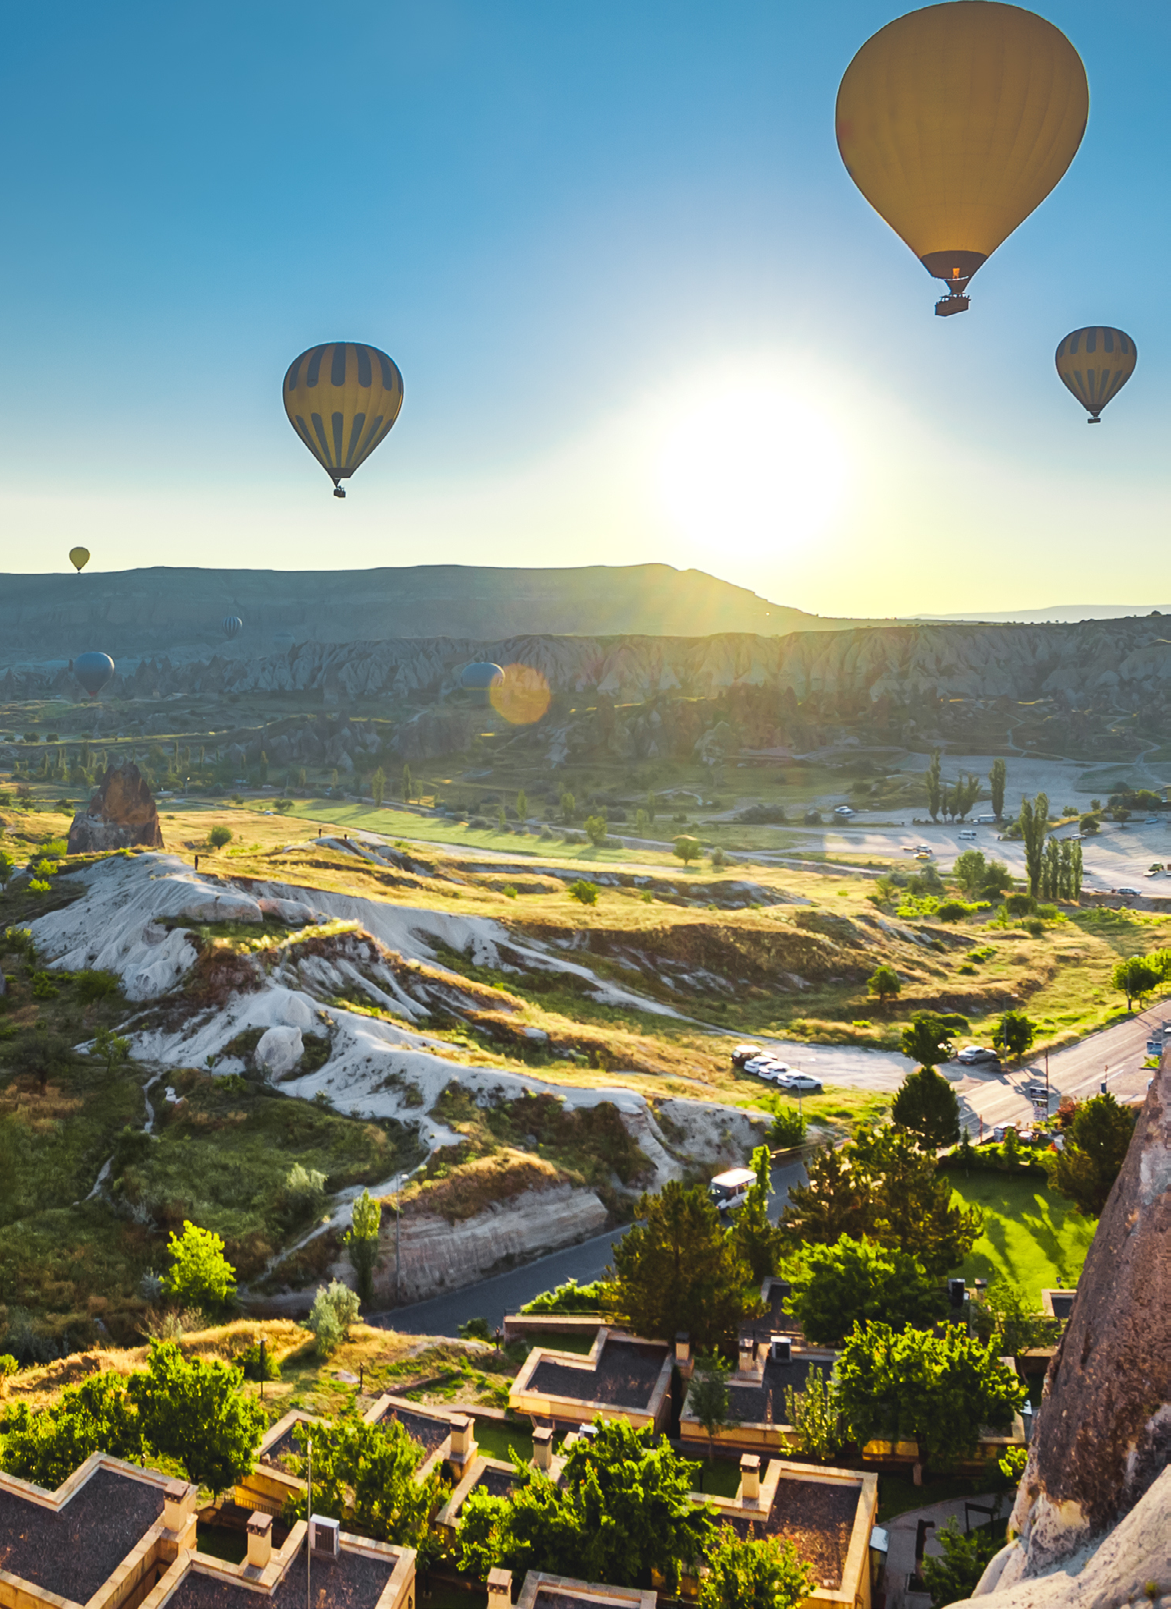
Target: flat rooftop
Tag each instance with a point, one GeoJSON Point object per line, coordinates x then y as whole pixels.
{"type": "Point", "coordinates": [764, 1404]}
{"type": "Point", "coordinates": [625, 1375]}
{"type": "Point", "coordinates": [73, 1551]}
{"type": "Point", "coordinates": [352, 1581]}
{"type": "Point", "coordinates": [432, 1432]}
{"type": "Point", "coordinates": [818, 1518]}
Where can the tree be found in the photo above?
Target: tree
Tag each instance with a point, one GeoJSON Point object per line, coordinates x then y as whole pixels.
{"type": "Point", "coordinates": [751, 1574]}
{"type": "Point", "coordinates": [595, 830]}
{"type": "Point", "coordinates": [378, 787]}
{"type": "Point", "coordinates": [788, 1129]}
{"type": "Point", "coordinates": [7, 867]}
{"type": "Point", "coordinates": [1089, 824]}
{"type": "Point", "coordinates": [754, 1236]}
{"type": "Point", "coordinates": [361, 1242]}
{"type": "Point", "coordinates": [709, 1399]}
{"type": "Point", "coordinates": [1096, 1143]}
{"type": "Point", "coordinates": [1033, 822]}
{"type": "Point", "coordinates": [1010, 1314]}
{"type": "Point", "coordinates": [970, 870]}
{"type": "Point", "coordinates": [853, 1281]}
{"type": "Point", "coordinates": [621, 1508]}
{"type": "Point", "coordinates": [815, 1415]}
{"type": "Point", "coordinates": [408, 786]}
{"type": "Point", "coordinates": [111, 1048]}
{"type": "Point", "coordinates": [927, 1105]}
{"type": "Point", "coordinates": [1014, 1033]}
{"type": "Point", "coordinates": [568, 808]}
{"type": "Point", "coordinates": [883, 1187]}
{"type": "Point", "coordinates": [687, 848]}
{"type": "Point", "coordinates": [938, 1390]}
{"type": "Point", "coordinates": [928, 1039]}
{"type": "Point", "coordinates": [676, 1269]}
{"type": "Point", "coordinates": [200, 1274]}
{"type": "Point", "coordinates": [367, 1476]}
{"type": "Point", "coordinates": [997, 778]}
{"type": "Point", "coordinates": [934, 785]}
{"type": "Point", "coordinates": [193, 1410]}
{"type": "Point", "coordinates": [955, 1576]}
{"type": "Point", "coordinates": [219, 836]}
{"type": "Point", "coordinates": [884, 984]}
{"type": "Point", "coordinates": [333, 1311]}
{"type": "Point", "coordinates": [651, 807]}
{"type": "Point", "coordinates": [1135, 976]}
{"type": "Point", "coordinates": [522, 806]}
{"type": "Point", "coordinates": [46, 1445]}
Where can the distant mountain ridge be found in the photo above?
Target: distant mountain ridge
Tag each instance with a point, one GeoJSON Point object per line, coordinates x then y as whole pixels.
{"type": "Point", "coordinates": [138, 613]}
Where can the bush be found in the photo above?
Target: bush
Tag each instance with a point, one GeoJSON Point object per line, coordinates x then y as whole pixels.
{"type": "Point", "coordinates": [687, 848]}
{"type": "Point", "coordinates": [1020, 905]}
{"type": "Point", "coordinates": [568, 1298]}
{"type": "Point", "coordinates": [475, 1329]}
{"type": "Point", "coordinates": [595, 830]}
{"type": "Point", "coordinates": [584, 891]}
{"type": "Point", "coordinates": [718, 859]}
{"type": "Point", "coordinates": [219, 836]}
{"type": "Point", "coordinates": [200, 1273]}
{"type": "Point", "coordinates": [953, 910]}
{"type": "Point", "coordinates": [258, 1363]}
{"type": "Point", "coordinates": [333, 1311]}
{"type": "Point", "coordinates": [788, 1129]}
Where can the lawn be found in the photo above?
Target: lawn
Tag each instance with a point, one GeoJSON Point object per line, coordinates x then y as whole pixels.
{"type": "Point", "coordinates": [1031, 1236]}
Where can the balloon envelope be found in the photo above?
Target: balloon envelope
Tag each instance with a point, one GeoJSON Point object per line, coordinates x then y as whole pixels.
{"type": "Point", "coordinates": [93, 671]}
{"type": "Point", "coordinates": [479, 679]}
{"type": "Point", "coordinates": [231, 625]}
{"type": "Point", "coordinates": [1095, 363]}
{"type": "Point", "coordinates": [79, 558]}
{"type": "Point", "coordinates": [956, 121]}
{"type": "Point", "coordinates": [341, 399]}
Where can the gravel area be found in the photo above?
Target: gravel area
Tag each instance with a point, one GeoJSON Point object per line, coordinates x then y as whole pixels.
{"type": "Point", "coordinates": [765, 1404]}
{"type": "Point", "coordinates": [430, 1432]}
{"type": "Point", "coordinates": [625, 1375]}
{"type": "Point", "coordinates": [818, 1519]}
{"type": "Point", "coordinates": [353, 1582]}
{"type": "Point", "coordinates": [73, 1552]}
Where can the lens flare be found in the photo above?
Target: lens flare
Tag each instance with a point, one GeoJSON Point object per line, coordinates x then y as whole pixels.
{"type": "Point", "coordinates": [522, 697]}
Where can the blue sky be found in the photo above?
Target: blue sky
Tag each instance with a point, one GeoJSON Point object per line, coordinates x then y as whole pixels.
{"type": "Point", "coordinates": [641, 312]}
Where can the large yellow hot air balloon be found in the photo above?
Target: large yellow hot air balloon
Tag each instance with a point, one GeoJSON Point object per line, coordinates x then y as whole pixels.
{"type": "Point", "coordinates": [341, 399]}
{"type": "Point", "coordinates": [1095, 364]}
{"type": "Point", "coordinates": [955, 122]}
{"type": "Point", "coordinates": [79, 558]}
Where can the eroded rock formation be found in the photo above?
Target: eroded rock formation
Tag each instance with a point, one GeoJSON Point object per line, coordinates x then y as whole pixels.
{"type": "Point", "coordinates": [121, 814]}
{"type": "Point", "coordinates": [1103, 1439]}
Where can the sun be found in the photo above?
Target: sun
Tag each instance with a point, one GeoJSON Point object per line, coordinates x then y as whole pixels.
{"type": "Point", "coordinates": [751, 465]}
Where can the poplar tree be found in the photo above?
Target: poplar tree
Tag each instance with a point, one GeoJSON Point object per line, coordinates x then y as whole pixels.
{"type": "Point", "coordinates": [1033, 821]}
{"type": "Point", "coordinates": [934, 785]}
{"type": "Point", "coordinates": [997, 778]}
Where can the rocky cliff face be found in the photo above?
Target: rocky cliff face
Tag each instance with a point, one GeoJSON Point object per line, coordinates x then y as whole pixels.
{"type": "Point", "coordinates": [121, 813]}
{"type": "Point", "coordinates": [1117, 662]}
{"type": "Point", "coordinates": [1103, 1440]}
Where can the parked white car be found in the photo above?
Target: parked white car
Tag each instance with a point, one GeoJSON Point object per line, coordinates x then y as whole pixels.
{"type": "Point", "coordinates": [799, 1083]}
{"type": "Point", "coordinates": [973, 1055]}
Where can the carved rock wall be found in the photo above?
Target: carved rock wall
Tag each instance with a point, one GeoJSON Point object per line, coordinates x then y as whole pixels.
{"type": "Point", "coordinates": [121, 813]}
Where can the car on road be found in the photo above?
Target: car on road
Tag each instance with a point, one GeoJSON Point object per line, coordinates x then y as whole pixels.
{"type": "Point", "coordinates": [974, 1055]}
{"type": "Point", "coordinates": [967, 834]}
{"type": "Point", "coordinates": [744, 1053]}
{"type": "Point", "coordinates": [1128, 893]}
{"type": "Point", "coordinates": [843, 811]}
{"type": "Point", "coordinates": [799, 1083]}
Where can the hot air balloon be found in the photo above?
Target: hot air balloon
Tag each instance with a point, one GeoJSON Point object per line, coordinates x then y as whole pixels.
{"type": "Point", "coordinates": [79, 558]}
{"type": "Point", "coordinates": [479, 679]}
{"type": "Point", "coordinates": [955, 122]}
{"type": "Point", "coordinates": [93, 671]}
{"type": "Point", "coordinates": [231, 626]}
{"type": "Point", "coordinates": [342, 399]}
{"type": "Point", "coordinates": [1095, 364]}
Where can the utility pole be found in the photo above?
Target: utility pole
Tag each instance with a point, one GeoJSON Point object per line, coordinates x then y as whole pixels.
{"type": "Point", "coordinates": [309, 1533]}
{"type": "Point", "coordinates": [398, 1213]}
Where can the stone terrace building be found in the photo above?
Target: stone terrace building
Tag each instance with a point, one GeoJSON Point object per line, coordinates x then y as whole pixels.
{"type": "Point", "coordinates": [622, 1377]}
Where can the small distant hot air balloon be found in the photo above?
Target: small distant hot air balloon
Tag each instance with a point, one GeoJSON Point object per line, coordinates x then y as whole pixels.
{"type": "Point", "coordinates": [93, 671]}
{"type": "Point", "coordinates": [79, 558]}
{"type": "Point", "coordinates": [231, 626]}
{"type": "Point", "coordinates": [479, 679]}
{"type": "Point", "coordinates": [1095, 364]}
{"type": "Point", "coordinates": [341, 399]}
{"type": "Point", "coordinates": [955, 122]}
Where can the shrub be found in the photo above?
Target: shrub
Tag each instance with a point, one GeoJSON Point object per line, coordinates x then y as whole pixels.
{"type": "Point", "coordinates": [595, 830]}
{"type": "Point", "coordinates": [884, 983]}
{"type": "Point", "coordinates": [718, 859]}
{"type": "Point", "coordinates": [584, 891]}
{"type": "Point", "coordinates": [687, 848]}
{"type": "Point", "coordinates": [199, 1273]}
{"type": "Point", "coordinates": [788, 1129]}
{"type": "Point", "coordinates": [1020, 904]}
{"type": "Point", "coordinates": [475, 1329]}
{"type": "Point", "coordinates": [219, 836]}
{"type": "Point", "coordinates": [568, 1298]}
{"type": "Point", "coordinates": [258, 1363]}
{"type": "Point", "coordinates": [952, 910]}
{"type": "Point", "coordinates": [334, 1310]}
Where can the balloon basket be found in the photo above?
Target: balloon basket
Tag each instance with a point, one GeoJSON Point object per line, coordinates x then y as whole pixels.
{"type": "Point", "coordinates": [1094, 420]}
{"type": "Point", "coordinates": [339, 491]}
{"type": "Point", "coordinates": [947, 305]}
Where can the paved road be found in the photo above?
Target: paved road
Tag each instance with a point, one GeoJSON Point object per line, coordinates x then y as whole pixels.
{"type": "Point", "coordinates": [492, 1298]}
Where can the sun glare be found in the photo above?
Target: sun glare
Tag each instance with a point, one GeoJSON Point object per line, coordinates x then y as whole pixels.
{"type": "Point", "coordinates": [751, 464]}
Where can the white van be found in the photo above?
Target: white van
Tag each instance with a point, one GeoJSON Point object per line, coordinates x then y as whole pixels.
{"type": "Point", "coordinates": [968, 833]}
{"type": "Point", "coordinates": [730, 1189]}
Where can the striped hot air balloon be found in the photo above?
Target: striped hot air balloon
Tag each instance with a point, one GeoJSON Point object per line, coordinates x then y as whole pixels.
{"type": "Point", "coordinates": [341, 399]}
{"type": "Point", "coordinates": [231, 626]}
{"type": "Point", "coordinates": [93, 671]}
{"type": "Point", "coordinates": [1095, 364]}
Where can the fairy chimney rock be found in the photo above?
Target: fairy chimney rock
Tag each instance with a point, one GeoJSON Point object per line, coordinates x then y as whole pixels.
{"type": "Point", "coordinates": [1103, 1435]}
{"type": "Point", "coordinates": [121, 814]}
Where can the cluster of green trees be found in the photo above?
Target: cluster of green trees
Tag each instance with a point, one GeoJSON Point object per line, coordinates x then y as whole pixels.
{"type": "Point", "coordinates": [952, 799]}
{"type": "Point", "coordinates": [1136, 975]}
{"type": "Point", "coordinates": [189, 1411]}
{"type": "Point", "coordinates": [1094, 1148]}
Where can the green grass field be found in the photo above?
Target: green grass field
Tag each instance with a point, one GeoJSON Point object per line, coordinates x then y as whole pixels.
{"type": "Point", "coordinates": [1031, 1236]}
